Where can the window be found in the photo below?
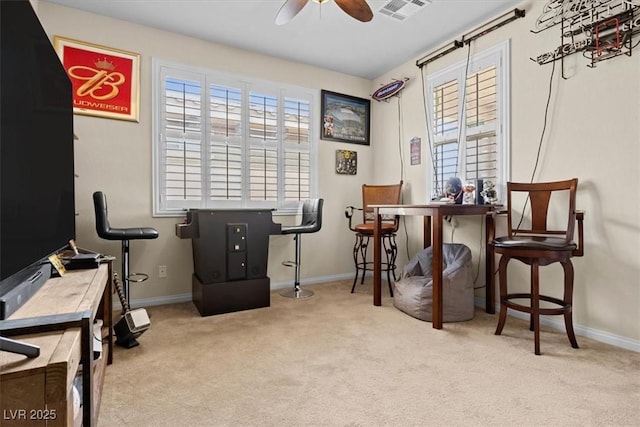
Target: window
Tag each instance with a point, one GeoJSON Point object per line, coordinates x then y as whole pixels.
{"type": "Point", "coordinates": [468, 115]}
{"type": "Point", "coordinates": [230, 142]}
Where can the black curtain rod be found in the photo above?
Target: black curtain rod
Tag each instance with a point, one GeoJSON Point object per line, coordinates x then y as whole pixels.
{"type": "Point", "coordinates": [466, 39]}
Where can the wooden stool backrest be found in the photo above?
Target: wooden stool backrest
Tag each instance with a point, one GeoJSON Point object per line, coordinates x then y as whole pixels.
{"type": "Point", "coordinates": [379, 195]}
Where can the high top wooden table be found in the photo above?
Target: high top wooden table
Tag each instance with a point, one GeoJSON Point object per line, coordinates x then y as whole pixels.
{"type": "Point", "coordinates": [433, 217]}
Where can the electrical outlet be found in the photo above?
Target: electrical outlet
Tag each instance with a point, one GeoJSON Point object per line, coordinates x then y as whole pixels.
{"type": "Point", "coordinates": [162, 271]}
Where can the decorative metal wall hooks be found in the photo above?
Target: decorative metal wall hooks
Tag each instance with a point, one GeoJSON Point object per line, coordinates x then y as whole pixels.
{"type": "Point", "coordinates": [600, 29]}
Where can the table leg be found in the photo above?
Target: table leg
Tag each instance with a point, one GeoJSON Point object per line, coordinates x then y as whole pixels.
{"type": "Point", "coordinates": [377, 260]}
{"type": "Point", "coordinates": [489, 277]}
{"type": "Point", "coordinates": [426, 238]}
{"type": "Point", "coordinates": [436, 319]}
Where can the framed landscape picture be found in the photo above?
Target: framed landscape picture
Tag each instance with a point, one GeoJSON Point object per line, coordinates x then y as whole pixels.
{"type": "Point", "coordinates": [345, 118]}
{"type": "Point", "coordinates": [106, 81]}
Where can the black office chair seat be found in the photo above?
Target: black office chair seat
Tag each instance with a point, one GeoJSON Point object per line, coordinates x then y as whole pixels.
{"type": "Point", "coordinates": [128, 233]}
{"type": "Point", "coordinates": [311, 223]}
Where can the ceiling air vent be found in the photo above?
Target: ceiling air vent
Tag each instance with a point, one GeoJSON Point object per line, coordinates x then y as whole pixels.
{"type": "Point", "coordinates": [402, 9]}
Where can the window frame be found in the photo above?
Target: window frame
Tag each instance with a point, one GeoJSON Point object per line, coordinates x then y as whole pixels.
{"type": "Point", "coordinates": [209, 77]}
{"type": "Point", "coordinates": [500, 57]}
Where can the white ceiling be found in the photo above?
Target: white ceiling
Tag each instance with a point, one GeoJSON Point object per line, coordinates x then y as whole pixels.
{"type": "Point", "coordinates": [320, 35]}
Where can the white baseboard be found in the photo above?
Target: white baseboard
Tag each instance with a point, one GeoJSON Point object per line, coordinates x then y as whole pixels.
{"type": "Point", "coordinates": [147, 302]}
{"type": "Point", "coordinates": [554, 323]}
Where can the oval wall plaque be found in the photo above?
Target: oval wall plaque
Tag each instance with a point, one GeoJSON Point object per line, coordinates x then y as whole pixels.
{"type": "Point", "coordinates": [389, 90]}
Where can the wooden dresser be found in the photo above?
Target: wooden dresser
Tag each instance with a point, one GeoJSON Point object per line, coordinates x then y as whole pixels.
{"type": "Point", "coordinates": [63, 319]}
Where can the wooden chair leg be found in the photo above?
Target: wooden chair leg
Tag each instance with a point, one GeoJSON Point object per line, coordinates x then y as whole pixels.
{"type": "Point", "coordinates": [535, 305]}
{"type": "Point", "coordinates": [568, 301]}
{"type": "Point", "coordinates": [502, 278]}
{"type": "Point", "coordinates": [531, 328]}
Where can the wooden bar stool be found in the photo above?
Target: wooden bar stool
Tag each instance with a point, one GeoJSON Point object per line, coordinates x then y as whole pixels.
{"type": "Point", "coordinates": [534, 242]}
{"type": "Point", "coordinates": [375, 195]}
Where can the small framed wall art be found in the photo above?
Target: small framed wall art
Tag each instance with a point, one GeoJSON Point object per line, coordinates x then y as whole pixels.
{"type": "Point", "coordinates": [345, 118]}
{"type": "Point", "coordinates": [106, 81]}
{"type": "Point", "coordinates": [416, 150]}
{"type": "Point", "coordinates": [346, 162]}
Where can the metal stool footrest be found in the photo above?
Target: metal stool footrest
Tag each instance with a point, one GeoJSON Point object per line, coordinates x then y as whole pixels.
{"type": "Point", "coordinates": [137, 277]}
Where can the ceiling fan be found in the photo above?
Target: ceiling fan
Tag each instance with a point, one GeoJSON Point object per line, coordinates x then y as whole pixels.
{"type": "Point", "coordinates": [358, 9]}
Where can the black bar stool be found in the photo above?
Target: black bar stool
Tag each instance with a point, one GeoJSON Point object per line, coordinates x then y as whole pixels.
{"type": "Point", "coordinates": [311, 222]}
{"type": "Point", "coordinates": [105, 231]}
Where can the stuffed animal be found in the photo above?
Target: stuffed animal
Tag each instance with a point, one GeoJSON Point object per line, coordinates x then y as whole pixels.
{"type": "Point", "coordinates": [489, 192]}
{"type": "Point", "coordinates": [468, 196]}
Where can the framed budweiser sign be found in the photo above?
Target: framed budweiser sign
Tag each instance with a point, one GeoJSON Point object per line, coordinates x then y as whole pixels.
{"type": "Point", "coordinates": [106, 81]}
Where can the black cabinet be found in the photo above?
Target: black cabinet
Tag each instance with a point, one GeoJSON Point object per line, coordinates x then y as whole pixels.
{"type": "Point", "coordinates": [230, 256]}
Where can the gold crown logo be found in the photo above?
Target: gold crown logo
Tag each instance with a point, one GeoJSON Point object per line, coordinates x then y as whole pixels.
{"type": "Point", "coordinates": [103, 64]}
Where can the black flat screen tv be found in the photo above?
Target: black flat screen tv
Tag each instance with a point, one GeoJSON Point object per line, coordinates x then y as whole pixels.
{"type": "Point", "coordinates": [37, 206]}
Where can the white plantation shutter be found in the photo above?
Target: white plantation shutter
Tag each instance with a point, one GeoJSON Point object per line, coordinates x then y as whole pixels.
{"type": "Point", "coordinates": [263, 157]}
{"type": "Point", "coordinates": [481, 113]}
{"type": "Point", "coordinates": [446, 131]}
{"type": "Point", "coordinates": [181, 144]}
{"type": "Point", "coordinates": [225, 155]}
{"type": "Point", "coordinates": [297, 181]}
{"type": "Point", "coordinates": [227, 142]}
{"type": "Point", "coordinates": [297, 149]}
{"type": "Point", "coordinates": [225, 172]}
{"type": "Point", "coordinates": [479, 149]}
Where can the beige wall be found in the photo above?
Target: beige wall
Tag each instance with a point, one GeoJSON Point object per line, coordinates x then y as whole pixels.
{"type": "Point", "coordinates": [115, 157]}
{"type": "Point", "coordinates": [593, 134]}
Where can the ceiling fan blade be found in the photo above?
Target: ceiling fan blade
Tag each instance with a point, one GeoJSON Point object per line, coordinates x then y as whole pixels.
{"type": "Point", "coordinates": [358, 9]}
{"type": "Point", "coordinates": [289, 9]}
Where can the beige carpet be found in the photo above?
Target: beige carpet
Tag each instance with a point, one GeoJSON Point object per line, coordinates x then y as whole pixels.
{"type": "Point", "coordinates": [336, 360]}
